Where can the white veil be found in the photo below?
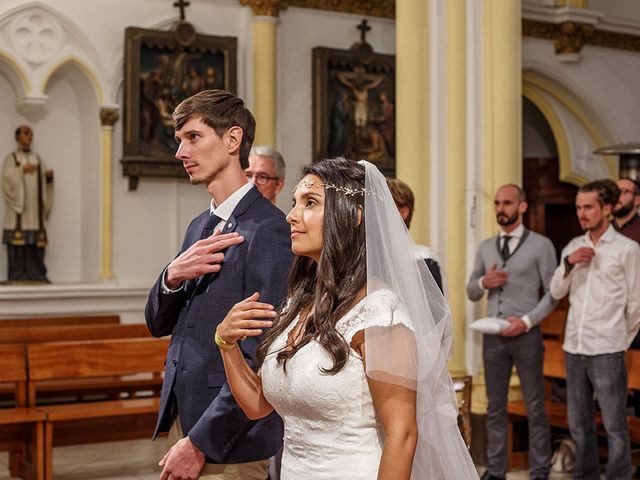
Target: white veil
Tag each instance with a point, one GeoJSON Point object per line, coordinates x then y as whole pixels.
{"type": "Point", "coordinates": [409, 342]}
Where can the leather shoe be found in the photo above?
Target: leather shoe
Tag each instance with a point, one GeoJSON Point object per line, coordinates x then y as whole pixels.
{"type": "Point", "coordinates": [487, 476]}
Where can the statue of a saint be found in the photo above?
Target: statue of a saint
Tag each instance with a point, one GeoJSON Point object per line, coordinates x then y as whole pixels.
{"type": "Point", "coordinates": [27, 189]}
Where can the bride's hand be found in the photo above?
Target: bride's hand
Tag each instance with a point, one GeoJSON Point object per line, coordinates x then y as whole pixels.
{"type": "Point", "coordinates": [241, 321]}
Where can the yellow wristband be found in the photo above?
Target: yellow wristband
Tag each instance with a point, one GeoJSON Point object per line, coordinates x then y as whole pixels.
{"type": "Point", "coordinates": [222, 343]}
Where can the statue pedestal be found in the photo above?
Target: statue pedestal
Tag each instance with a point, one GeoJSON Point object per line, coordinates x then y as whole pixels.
{"type": "Point", "coordinates": [128, 301]}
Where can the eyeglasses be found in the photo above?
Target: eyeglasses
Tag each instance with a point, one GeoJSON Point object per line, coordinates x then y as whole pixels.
{"type": "Point", "coordinates": [259, 178]}
{"type": "Point", "coordinates": [626, 190]}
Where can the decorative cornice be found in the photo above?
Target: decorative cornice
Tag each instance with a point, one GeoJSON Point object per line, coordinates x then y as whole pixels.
{"type": "Point", "coordinates": [570, 37]}
{"type": "Point", "coordinates": [109, 116]}
{"type": "Point", "coordinates": [374, 8]}
{"type": "Point", "coordinates": [266, 8]}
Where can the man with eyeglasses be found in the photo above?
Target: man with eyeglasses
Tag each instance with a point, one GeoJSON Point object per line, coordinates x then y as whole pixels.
{"type": "Point", "coordinates": [625, 211]}
{"type": "Point", "coordinates": [266, 170]}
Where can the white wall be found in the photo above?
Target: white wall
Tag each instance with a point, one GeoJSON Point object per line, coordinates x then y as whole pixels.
{"type": "Point", "coordinates": [148, 223]}
{"type": "Point", "coordinates": [300, 30]}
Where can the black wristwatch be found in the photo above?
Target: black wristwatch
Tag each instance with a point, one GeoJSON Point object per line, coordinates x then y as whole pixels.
{"type": "Point", "coordinates": [567, 266]}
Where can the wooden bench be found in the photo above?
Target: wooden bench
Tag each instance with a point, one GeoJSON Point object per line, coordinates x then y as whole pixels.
{"type": "Point", "coordinates": [79, 389]}
{"type": "Point", "coordinates": [554, 368]}
{"type": "Point", "coordinates": [552, 326]}
{"type": "Point", "coordinates": [21, 428]}
{"type": "Point", "coordinates": [89, 422]}
{"type": "Point", "coordinates": [60, 333]}
{"type": "Point", "coordinates": [57, 321]}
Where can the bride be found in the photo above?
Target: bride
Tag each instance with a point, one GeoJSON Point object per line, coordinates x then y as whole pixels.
{"type": "Point", "coordinates": [355, 362]}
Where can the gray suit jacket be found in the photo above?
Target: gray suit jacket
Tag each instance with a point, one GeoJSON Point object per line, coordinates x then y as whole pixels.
{"type": "Point", "coordinates": [530, 268]}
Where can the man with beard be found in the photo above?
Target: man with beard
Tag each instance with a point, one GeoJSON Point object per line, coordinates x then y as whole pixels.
{"type": "Point", "coordinates": [515, 267]}
{"type": "Point", "coordinates": [601, 272]}
{"type": "Point", "coordinates": [625, 211]}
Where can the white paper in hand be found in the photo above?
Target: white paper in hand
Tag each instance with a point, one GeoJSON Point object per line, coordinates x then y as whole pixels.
{"type": "Point", "coordinates": [490, 325]}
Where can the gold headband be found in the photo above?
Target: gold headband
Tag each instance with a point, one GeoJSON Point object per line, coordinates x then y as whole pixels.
{"type": "Point", "coordinates": [347, 191]}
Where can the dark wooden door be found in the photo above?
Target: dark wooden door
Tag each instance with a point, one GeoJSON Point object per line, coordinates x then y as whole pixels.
{"type": "Point", "coordinates": [551, 202]}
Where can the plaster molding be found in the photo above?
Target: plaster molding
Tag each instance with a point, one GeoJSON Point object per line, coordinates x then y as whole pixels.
{"type": "Point", "coordinates": [42, 38]}
{"type": "Point", "coordinates": [266, 8]}
{"type": "Point", "coordinates": [571, 28]}
{"type": "Point", "coordinates": [374, 8]}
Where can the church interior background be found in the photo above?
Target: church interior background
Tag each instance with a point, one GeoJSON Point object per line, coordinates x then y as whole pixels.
{"type": "Point", "coordinates": [486, 93]}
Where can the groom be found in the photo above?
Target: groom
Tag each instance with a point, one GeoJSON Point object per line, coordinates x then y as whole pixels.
{"type": "Point", "coordinates": [249, 252]}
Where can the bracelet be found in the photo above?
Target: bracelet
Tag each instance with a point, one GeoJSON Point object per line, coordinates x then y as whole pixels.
{"type": "Point", "coordinates": [567, 266]}
{"type": "Point", "coordinates": [223, 344]}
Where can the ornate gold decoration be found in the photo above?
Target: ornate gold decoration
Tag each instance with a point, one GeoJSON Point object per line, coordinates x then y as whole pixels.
{"type": "Point", "coordinates": [570, 37]}
{"type": "Point", "coordinates": [374, 8]}
{"type": "Point", "coordinates": [269, 8]}
{"type": "Point", "coordinates": [109, 116]}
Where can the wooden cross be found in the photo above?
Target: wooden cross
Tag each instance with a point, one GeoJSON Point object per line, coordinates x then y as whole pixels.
{"type": "Point", "coordinates": [364, 28]}
{"type": "Point", "coordinates": [181, 4]}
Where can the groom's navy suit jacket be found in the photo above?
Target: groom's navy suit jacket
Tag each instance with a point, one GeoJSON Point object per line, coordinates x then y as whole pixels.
{"type": "Point", "coordinates": [195, 382]}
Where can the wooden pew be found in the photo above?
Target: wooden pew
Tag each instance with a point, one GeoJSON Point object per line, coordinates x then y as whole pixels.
{"type": "Point", "coordinates": [552, 326]}
{"type": "Point", "coordinates": [89, 422]}
{"type": "Point", "coordinates": [78, 389]}
{"type": "Point", "coordinates": [21, 428]}
{"type": "Point", "coordinates": [554, 367]}
{"type": "Point", "coordinates": [59, 333]}
{"type": "Point", "coordinates": [56, 321]}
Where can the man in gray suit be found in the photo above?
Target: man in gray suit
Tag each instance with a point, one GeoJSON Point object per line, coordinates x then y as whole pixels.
{"type": "Point", "coordinates": [515, 267]}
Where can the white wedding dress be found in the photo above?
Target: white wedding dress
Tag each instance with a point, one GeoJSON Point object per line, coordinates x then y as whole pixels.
{"type": "Point", "coordinates": [330, 427]}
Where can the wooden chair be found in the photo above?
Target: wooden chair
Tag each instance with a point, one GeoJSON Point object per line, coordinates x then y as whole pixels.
{"type": "Point", "coordinates": [21, 428]}
{"type": "Point", "coordinates": [462, 386]}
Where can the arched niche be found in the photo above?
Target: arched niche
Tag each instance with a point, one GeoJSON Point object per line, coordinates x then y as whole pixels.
{"type": "Point", "coordinates": [68, 139]}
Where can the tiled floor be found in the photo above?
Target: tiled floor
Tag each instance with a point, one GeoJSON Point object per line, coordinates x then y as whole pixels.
{"type": "Point", "coordinates": [129, 460]}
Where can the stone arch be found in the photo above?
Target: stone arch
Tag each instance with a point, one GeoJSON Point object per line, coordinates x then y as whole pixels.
{"type": "Point", "coordinates": [16, 75]}
{"type": "Point", "coordinates": [577, 125]}
{"type": "Point", "coordinates": [83, 67]}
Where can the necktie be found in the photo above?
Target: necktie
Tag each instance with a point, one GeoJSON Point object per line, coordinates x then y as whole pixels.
{"type": "Point", "coordinates": [504, 252]}
{"type": "Point", "coordinates": [210, 225]}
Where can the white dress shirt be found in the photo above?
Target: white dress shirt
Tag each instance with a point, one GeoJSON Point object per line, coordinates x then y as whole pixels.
{"type": "Point", "coordinates": [604, 295]}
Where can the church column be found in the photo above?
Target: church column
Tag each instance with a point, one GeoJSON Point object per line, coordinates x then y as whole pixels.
{"type": "Point", "coordinates": [412, 107]}
{"type": "Point", "coordinates": [265, 21]}
{"type": "Point", "coordinates": [455, 161]}
{"type": "Point", "coordinates": [108, 117]}
{"type": "Point", "coordinates": [502, 100]}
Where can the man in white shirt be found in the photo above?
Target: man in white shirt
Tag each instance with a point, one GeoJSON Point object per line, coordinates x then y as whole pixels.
{"type": "Point", "coordinates": [601, 272]}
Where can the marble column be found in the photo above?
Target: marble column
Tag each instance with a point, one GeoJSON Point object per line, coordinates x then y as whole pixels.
{"type": "Point", "coordinates": [265, 22]}
{"type": "Point", "coordinates": [412, 107]}
{"type": "Point", "coordinates": [108, 118]}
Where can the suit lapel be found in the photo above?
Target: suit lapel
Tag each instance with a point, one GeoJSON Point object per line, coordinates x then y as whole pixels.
{"type": "Point", "coordinates": [230, 226]}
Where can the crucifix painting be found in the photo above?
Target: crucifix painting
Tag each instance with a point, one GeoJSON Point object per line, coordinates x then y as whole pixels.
{"type": "Point", "coordinates": [354, 97]}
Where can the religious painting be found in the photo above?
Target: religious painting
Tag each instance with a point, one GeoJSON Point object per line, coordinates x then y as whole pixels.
{"type": "Point", "coordinates": [354, 106]}
{"type": "Point", "coordinates": [162, 68]}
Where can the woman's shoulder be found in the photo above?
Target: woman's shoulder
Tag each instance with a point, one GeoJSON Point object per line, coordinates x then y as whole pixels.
{"type": "Point", "coordinates": [378, 308]}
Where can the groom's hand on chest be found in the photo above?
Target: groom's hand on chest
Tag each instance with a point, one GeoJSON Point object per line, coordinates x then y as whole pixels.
{"type": "Point", "coordinates": [203, 257]}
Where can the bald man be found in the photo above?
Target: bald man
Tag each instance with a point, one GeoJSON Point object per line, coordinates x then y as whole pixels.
{"type": "Point", "coordinates": [513, 267]}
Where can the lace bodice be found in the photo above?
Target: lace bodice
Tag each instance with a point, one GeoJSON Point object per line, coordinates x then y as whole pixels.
{"type": "Point", "coordinates": [331, 430]}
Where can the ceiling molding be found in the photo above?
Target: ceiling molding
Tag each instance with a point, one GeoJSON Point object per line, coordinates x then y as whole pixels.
{"type": "Point", "coordinates": [374, 8]}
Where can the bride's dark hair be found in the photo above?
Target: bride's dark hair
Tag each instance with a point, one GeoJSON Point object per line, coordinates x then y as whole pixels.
{"type": "Point", "coordinates": [339, 278]}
